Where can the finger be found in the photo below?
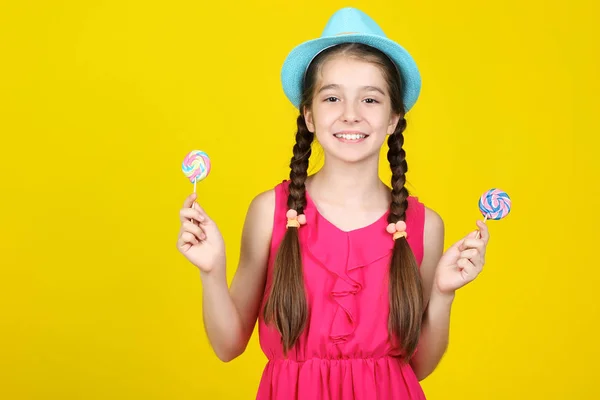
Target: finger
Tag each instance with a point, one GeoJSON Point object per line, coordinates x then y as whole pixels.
{"type": "Point", "coordinates": [194, 229]}
{"type": "Point", "coordinates": [456, 247]}
{"type": "Point", "coordinates": [189, 214]}
{"type": "Point", "coordinates": [469, 254]}
{"type": "Point", "coordinates": [467, 267]}
{"type": "Point", "coordinates": [478, 244]}
{"type": "Point", "coordinates": [474, 256]}
{"type": "Point", "coordinates": [484, 231]}
{"type": "Point", "coordinates": [189, 200]}
{"type": "Point", "coordinates": [188, 238]}
{"type": "Point", "coordinates": [473, 235]}
{"type": "Point", "coordinates": [464, 263]}
{"type": "Point", "coordinates": [197, 206]}
{"type": "Point", "coordinates": [182, 244]}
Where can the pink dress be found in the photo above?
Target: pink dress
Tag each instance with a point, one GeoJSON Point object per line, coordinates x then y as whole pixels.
{"type": "Point", "coordinates": [343, 352]}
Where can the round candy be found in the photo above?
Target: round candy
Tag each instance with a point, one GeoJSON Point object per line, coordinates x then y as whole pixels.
{"type": "Point", "coordinates": [196, 165]}
{"type": "Point", "coordinates": [494, 204]}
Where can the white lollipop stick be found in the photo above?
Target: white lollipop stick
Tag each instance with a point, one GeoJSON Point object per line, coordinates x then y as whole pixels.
{"type": "Point", "coordinates": [194, 203]}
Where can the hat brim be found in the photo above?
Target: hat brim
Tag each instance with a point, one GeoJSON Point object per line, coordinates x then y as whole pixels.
{"type": "Point", "coordinates": [294, 66]}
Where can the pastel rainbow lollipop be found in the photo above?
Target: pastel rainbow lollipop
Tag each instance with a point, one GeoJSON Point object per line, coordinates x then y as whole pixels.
{"type": "Point", "coordinates": [494, 204]}
{"type": "Point", "coordinates": [196, 166]}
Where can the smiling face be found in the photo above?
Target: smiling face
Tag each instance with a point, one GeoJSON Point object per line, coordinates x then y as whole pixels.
{"type": "Point", "coordinates": [351, 111]}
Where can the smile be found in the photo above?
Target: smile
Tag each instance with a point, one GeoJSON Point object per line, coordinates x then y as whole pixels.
{"type": "Point", "coordinates": [351, 137]}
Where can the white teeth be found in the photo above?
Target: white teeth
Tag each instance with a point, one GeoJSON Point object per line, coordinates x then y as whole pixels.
{"type": "Point", "coordinates": [352, 136]}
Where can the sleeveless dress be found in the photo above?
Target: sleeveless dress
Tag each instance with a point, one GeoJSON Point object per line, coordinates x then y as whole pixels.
{"type": "Point", "coordinates": [344, 352]}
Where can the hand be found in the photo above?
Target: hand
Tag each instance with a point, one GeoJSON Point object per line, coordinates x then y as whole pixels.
{"type": "Point", "coordinates": [462, 262]}
{"type": "Point", "coordinates": [200, 241]}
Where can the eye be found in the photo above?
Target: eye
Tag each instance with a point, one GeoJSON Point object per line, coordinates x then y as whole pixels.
{"type": "Point", "coordinates": [331, 99]}
{"type": "Point", "coordinates": [371, 101]}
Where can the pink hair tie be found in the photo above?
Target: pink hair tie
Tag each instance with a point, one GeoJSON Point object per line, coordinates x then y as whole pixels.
{"type": "Point", "coordinates": [294, 220]}
{"type": "Point", "coordinates": [398, 229]}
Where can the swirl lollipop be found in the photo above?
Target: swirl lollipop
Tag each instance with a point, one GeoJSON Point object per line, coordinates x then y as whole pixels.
{"type": "Point", "coordinates": [196, 166]}
{"type": "Point", "coordinates": [494, 204]}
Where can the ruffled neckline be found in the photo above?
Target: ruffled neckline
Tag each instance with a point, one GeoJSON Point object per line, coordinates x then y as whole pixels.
{"type": "Point", "coordinates": [310, 203]}
{"type": "Point", "coordinates": [342, 254]}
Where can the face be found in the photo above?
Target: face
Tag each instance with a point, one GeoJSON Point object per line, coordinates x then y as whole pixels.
{"type": "Point", "coordinates": [351, 112]}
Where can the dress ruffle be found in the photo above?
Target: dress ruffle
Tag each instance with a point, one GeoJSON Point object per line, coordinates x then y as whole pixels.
{"type": "Point", "coordinates": [353, 250]}
{"type": "Point", "coordinates": [344, 351]}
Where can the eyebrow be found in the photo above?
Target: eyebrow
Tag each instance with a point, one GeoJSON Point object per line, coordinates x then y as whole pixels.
{"type": "Point", "coordinates": [336, 86]}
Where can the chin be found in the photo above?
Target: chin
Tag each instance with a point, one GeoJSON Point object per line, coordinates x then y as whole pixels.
{"type": "Point", "coordinates": [351, 153]}
{"type": "Point", "coordinates": [351, 156]}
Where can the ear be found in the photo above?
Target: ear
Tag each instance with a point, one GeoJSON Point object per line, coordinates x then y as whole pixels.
{"type": "Point", "coordinates": [393, 122]}
{"type": "Point", "coordinates": [308, 118]}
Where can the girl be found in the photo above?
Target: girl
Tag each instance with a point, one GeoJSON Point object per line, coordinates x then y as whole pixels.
{"type": "Point", "coordinates": [346, 277]}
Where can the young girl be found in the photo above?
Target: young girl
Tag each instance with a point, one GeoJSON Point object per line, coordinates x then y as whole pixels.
{"type": "Point", "coordinates": [346, 277]}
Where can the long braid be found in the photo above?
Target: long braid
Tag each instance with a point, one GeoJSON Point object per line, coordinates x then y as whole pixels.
{"type": "Point", "coordinates": [299, 166]}
{"type": "Point", "coordinates": [406, 292]}
{"type": "Point", "coordinates": [286, 305]}
{"type": "Point", "coordinates": [397, 157]}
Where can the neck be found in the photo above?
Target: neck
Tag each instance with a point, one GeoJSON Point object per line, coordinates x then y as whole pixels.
{"type": "Point", "coordinates": [348, 183]}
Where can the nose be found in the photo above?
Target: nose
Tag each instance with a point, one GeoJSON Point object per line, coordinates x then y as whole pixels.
{"type": "Point", "coordinates": [350, 113]}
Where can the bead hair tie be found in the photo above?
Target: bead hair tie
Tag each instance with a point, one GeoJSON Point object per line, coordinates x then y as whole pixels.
{"type": "Point", "coordinates": [398, 229]}
{"type": "Point", "coordinates": [294, 220]}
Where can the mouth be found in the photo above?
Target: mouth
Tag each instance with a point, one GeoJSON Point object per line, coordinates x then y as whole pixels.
{"type": "Point", "coordinates": [351, 137]}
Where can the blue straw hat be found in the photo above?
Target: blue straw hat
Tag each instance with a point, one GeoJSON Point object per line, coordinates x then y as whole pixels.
{"type": "Point", "coordinates": [345, 26]}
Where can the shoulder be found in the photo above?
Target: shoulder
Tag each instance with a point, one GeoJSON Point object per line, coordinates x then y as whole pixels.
{"type": "Point", "coordinates": [429, 219]}
{"type": "Point", "coordinates": [265, 203]}
{"type": "Point", "coordinates": [258, 228]}
{"type": "Point", "coordinates": [433, 238]}
{"type": "Point", "coordinates": [268, 205]}
{"type": "Point", "coordinates": [433, 234]}
{"type": "Point", "coordinates": [262, 209]}
{"type": "Point", "coordinates": [434, 224]}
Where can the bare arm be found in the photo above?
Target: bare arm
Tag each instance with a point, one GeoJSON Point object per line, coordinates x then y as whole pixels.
{"type": "Point", "coordinates": [460, 264]}
{"type": "Point", "coordinates": [436, 319]}
{"type": "Point", "coordinates": [230, 314]}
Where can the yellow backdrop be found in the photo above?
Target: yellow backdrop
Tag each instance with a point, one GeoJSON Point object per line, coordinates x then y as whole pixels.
{"type": "Point", "coordinates": [100, 101]}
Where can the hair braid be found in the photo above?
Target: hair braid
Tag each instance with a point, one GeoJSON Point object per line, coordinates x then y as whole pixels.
{"type": "Point", "coordinates": [286, 305]}
{"type": "Point", "coordinates": [406, 292]}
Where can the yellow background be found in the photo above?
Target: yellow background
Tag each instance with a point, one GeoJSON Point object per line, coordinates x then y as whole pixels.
{"type": "Point", "coordinates": [100, 101]}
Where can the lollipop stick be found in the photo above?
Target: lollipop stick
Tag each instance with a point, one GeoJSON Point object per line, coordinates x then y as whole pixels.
{"type": "Point", "coordinates": [194, 203]}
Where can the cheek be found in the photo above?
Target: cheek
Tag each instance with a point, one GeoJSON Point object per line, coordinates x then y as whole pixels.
{"type": "Point", "coordinates": [378, 119]}
{"type": "Point", "coordinates": [324, 118]}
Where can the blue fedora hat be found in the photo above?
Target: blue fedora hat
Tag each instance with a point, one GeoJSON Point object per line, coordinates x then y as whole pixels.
{"type": "Point", "coordinates": [345, 26]}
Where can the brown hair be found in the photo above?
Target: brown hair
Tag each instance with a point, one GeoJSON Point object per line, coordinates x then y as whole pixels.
{"type": "Point", "coordinates": [286, 305]}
